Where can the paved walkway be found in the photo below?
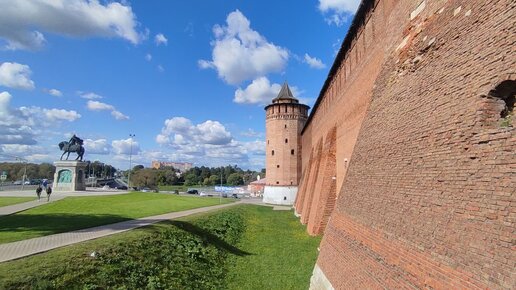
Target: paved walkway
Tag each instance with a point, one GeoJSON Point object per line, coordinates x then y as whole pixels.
{"type": "Point", "coordinates": [16, 250]}
{"type": "Point", "coordinates": [10, 209]}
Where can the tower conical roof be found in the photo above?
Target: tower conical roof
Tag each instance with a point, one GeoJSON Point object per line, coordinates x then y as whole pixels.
{"type": "Point", "coordinates": [285, 93]}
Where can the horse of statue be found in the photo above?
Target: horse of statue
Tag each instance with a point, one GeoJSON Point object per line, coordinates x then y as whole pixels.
{"type": "Point", "coordinates": [74, 145]}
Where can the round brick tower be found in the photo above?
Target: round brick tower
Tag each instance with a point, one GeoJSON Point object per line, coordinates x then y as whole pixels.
{"type": "Point", "coordinates": [285, 119]}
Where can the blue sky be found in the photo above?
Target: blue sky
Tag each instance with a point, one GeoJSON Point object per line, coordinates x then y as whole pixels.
{"type": "Point", "coordinates": [188, 78]}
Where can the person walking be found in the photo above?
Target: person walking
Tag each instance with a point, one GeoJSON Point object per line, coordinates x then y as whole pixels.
{"type": "Point", "coordinates": [49, 192]}
{"type": "Point", "coordinates": [38, 192]}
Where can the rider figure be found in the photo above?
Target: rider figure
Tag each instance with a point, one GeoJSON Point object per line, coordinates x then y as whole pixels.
{"type": "Point", "coordinates": [75, 140]}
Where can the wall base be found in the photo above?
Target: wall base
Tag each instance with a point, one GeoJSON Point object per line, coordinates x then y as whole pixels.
{"type": "Point", "coordinates": [319, 280]}
{"type": "Point", "coordinates": [281, 195]}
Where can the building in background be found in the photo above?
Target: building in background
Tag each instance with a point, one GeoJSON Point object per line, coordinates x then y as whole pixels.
{"type": "Point", "coordinates": [256, 187]}
{"type": "Point", "coordinates": [181, 166]}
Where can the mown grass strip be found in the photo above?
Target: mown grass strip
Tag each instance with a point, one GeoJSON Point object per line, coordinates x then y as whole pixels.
{"type": "Point", "coordinates": [5, 201]}
{"type": "Point", "coordinates": [73, 213]}
{"type": "Point", "coordinates": [283, 254]}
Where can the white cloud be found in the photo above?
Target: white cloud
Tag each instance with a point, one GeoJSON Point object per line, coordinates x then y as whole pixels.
{"type": "Point", "coordinates": [100, 146]}
{"type": "Point", "coordinates": [260, 91]}
{"type": "Point", "coordinates": [125, 146]}
{"type": "Point", "coordinates": [32, 153]}
{"type": "Point", "coordinates": [208, 143]}
{"type": "Point", "coordinates": [55, 93]}
{"type": "Point", "coordinates": [148, 57]}
{"type": "Point", "coordinates": [160, 39]}
{"type": "Point", "coordinates": [314, 62]}
{"type": "Point", "coordinates": [337, 11]}
{"type": "Point", "coordinates": [99, 106]}
{"type": "Point", "coordinates": [240, 53]}
{"type": "Point", "coordinates": [22, 20]}
{"type": "Point", "coordinates": [89, 96]}
{"type": "Point", "coordinates": [161, 68]}
{"type": "Point", "coordinates": [60, 114]}
{"type": "Point", "coordinates": [119, 116]}
{"type": "Point", "coordinates": [26, 124]}
{"type": "Point", "coordinates": [252, 133]}
{"type": "Point", "coordinates": [181, 131]}
{"type": "Point", "coordinates": [15, 75]}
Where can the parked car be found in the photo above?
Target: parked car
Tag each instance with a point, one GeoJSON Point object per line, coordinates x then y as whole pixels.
{"type": "Point", "coordinates": [224, 195]}
{"type": "Point", "coordinates": [192, 191]}
{"type": "Point", "coordinates": [234, 195]}
{"type": "Point", "coordinates": [35, 182]}
{"type": "Point", "coordinates": [18, 182]}
{"type": "Point", "coordinates": [145, 189]}
{"type": "Point", "coordinates": [27, 182]}
{"type": "Point", "coordinates": [122, 187]}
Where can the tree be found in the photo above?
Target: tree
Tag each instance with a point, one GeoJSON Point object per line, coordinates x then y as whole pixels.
{"type": "Point", "coordinates": [145, 178]}
{"type": "Point", "coordinates": [235, 179]}
{"type": "Point", "coordinates": [191, 179]}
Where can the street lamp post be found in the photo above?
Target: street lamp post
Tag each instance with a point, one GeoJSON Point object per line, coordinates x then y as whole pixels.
{"type": "Point", "coordinates": [24, 170]}
{"type": "Point", "coordinates": [130, 160]}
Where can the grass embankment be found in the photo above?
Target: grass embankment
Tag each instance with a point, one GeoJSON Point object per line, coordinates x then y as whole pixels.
{"type": "Point", "coordinates": [283, 253]}
{"type": "Point", "coordinates": [5, 201]}
{"type": "Point", "coordinates": [237, 248]}
{"type": "Point", "coordinates": [73, 213]}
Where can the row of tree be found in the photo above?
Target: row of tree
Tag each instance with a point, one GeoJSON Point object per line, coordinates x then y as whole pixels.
{"type": "Point", "coordinates": [100, 170]}
{"type": "Point", "coordinates": [207, 176]}
{"type": "Point", "coordinates": [15, 170]}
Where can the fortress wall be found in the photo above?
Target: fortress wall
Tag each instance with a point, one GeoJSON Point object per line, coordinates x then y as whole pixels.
{"type": "Point", "coordinates": [342, 105]}
{"type": "Point", "coordinates": [429, 197]}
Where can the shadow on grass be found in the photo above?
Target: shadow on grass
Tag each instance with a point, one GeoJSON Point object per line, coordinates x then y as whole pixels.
{"type": "Point", "coordinates": [208, 237]}
{"type": "Point", "coordinates": [22, 226]}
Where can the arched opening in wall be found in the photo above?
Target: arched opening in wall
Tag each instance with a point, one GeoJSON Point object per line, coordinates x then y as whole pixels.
{"type": "Point", "coordinates": [285, 126]}
{"type": "Point", "coordinates": [272, 152]}
{"type": "Point", "coordinates": [286, 140]}
{"type": "Point", "coordinates": [286, 107]}
{"type": "Point", "coordinates": [277, 182]}
{"type": "Point", "coordinates": [277, 166]}
{"type": "Point", "coordinates": [504, 95]}
{"type": "Point", "coordinates": [292, 152]}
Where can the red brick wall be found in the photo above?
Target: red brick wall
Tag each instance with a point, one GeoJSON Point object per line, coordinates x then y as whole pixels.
{"type": "Point", "coordinates": [428, 198]}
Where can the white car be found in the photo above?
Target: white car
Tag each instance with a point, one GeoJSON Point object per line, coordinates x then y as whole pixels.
{"type": "Point", "coordinates": [203, 193]}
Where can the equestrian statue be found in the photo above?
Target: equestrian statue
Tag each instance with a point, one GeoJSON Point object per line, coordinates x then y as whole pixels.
{"type": "Point", "coordinates": [74, 145]}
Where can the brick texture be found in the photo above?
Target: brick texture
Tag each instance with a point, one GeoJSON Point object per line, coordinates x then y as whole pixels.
{"type": "Point", "coordinates": [425, 166]}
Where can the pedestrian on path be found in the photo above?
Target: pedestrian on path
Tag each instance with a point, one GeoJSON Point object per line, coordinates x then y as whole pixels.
{"type": "Point", "coordinates": [49, 192]}
{"type": "Point", "coordinates": [38, 192]}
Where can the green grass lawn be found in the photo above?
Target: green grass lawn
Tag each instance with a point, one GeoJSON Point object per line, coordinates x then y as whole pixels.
{"type": "Point", "coordinates": [283, 254]}
{"type": "Point", "coordinates": [245, 247]}
{"type": "Point", "coordinates": [74, 213]}
{"type": "Point", "coordinates": [5, 201]}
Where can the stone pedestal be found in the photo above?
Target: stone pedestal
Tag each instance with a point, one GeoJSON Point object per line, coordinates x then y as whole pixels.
{"type": "Point", "coordinates": [69, 176]}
